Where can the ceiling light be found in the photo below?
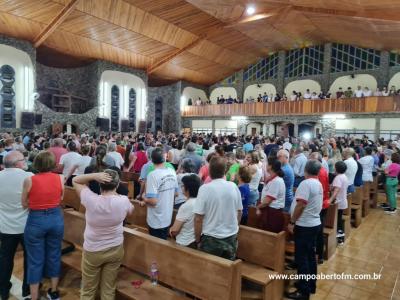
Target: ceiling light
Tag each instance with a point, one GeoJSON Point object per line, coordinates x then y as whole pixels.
{"type": "Point", "coordinates": [250, 10]}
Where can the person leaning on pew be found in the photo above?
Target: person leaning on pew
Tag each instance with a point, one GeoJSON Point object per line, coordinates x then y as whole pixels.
{"type": "Point", "coordinates": [103, 249]}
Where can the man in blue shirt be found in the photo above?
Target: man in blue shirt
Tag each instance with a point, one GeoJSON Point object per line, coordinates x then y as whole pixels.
{"type": "Point", "coordinates": [288, 178]}
{"type": "Point", "coordinates": [299, 164]}
{"type": "Point", "coordinates": [248, 146]}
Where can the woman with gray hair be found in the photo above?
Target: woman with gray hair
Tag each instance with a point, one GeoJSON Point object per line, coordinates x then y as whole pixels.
{"type": "Point", "coordinates": [103, 248]}
{"type": "Point", "coordinates": [186, 167]}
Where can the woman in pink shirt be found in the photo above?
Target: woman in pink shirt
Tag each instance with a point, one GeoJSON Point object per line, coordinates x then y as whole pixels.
{"type": "Point", "coordinates": [392, 181]}
{"type": "Point", "coordinates": [103, 249]}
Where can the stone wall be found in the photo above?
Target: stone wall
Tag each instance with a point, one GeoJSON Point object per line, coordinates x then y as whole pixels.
{"type": "Point", "coordinates": [170, 95]}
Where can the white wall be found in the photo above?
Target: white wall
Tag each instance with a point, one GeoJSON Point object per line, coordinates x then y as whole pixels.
{"type": "Point", "coordinates": [225, 91]}
{"type": "Point", "coordinates": [202, 124]}
{"type": "Point", "coordinates": [24, 78]}
{"type": "Point", "coordinates": [302, 86]}
{"type": "Point", "coordinates": [125, 82]}
{"type": "Point", "coordinates": [194, 94]}
{"type": "Point", "coordinates": [363, 80]}
{"type": "Point", "coordinates": [395, 80]}
{"type": "Point", "coordinates": [253, 90]}
{"type": "Point", "coordinates": [390, 124]}
{"type": "Point", "coordinates": [253, 125]}
{"type": "Point", "coordinates": [359, 124]}
{"type": "Point", "coordinates": [221, 124]}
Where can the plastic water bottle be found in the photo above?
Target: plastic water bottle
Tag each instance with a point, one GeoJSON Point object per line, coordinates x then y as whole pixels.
{"type": "Point", "coordinates": [154, 274]}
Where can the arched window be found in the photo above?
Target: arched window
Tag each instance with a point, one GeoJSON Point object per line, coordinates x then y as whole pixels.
{"type": "Point", "coordinates": [7, 96]}
{"type": "Point", "coordinates": [132, 109]}
{"type": "Point", "coordinates": [115, 108]}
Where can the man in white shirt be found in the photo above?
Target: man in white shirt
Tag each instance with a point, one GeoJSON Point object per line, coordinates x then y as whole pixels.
{"type": "Point", "coordinates": [352, 168]}
{"type": "Point", "coordinates": [12, 219]}
{"type": "Point", "coordinates": [68, 162]}
{"type": "Point", "coordinates": [305, 222]}
{"type": "Point", "coordinates": [114, 158]}
{"type": "Point", "coordinates": [385, 91]}
{"type": "Point", "coordinates": [367, 92]}
{"type": "Point", "coordinates": [307, 95]}
{"type": "Point", "coordinates": [218, 211]}
{"type": "Point", "coordinates": [359, 92]}
{"type": "Point", "coordinates": [299, 164]}
{"type": "Point", "coordinates": [161, 189]}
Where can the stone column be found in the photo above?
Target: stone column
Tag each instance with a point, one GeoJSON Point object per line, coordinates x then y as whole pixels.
{"type": "Point", "coordinates": [383, 76]}
{"type": "Point", "coordinates": [296, 128]}
{"type": "Point", "coordinates": [280, 85]}
{"type": "Point", "coordinates": [326, 71]}
{"type": "Point", "coordinates": [240, 84]}
{"type": "Point", "coordinates": [213, 126]}
{"type": "Point", "coordinates": [377, 127]}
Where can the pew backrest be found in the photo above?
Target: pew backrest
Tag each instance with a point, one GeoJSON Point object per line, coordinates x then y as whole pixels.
{"type": "Point", "coordinates": [202, 275]}
{"type": "Point", "coordinates": [70, 198]}
{"type": "Point", "coordinates": [331, 216]}
{"type": "Point", "coordinates": [74, 226]}
{"type": "Point", "coordinates": [262, 247]}
{"type": "Point", "coordinates": [138, 217]}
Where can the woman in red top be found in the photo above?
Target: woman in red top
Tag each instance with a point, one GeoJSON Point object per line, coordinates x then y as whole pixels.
{"type": "Point", "coordinates": [44, 230]}
{"type": "Point", "coordinates": [136, 159]}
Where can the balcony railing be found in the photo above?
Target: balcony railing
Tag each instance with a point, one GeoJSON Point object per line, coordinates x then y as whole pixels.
{"type": "Point", "coordinates": [366, 105]}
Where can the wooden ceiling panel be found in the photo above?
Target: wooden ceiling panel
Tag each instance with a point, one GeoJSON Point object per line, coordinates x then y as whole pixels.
{"type": "Point", "coordinates": [18, 27]}
{"type": "Point", "coordinates": [171, 71]}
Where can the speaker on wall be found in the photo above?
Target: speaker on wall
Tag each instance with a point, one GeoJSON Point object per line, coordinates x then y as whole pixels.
{"type": "Point", "coordinates": [149, 124]}
{"type": "Point", "coordinates": [27, 120]}
{"type": "Point", "coordinates": [104, 124]}
{"type": "Point", "coordinates": [38, 119]}
{"type": "Point", "coordinates": [125, 126]}
{"type": "Point", "coordinates": [142, 127]}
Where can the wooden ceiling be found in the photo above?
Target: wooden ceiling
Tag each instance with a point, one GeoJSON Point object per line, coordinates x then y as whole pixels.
{"type": "Point", "coordinates": [202, 41]}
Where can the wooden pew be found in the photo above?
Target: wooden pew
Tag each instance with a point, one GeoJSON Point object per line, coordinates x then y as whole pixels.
{"type": "Point", "coordinates": [263, 254]}
{"type": "Point", "coordinates": [374, 193]}
{"type": "Point", "coordinates": [347, 216]}
{"type": "Point", "coordinates": [133, 185]}
{"type": "Point", "coordinates": [70, 198]}
{"type": "Point", "coordinates": [196, 273]}
{"type": "Point", "coordinates": [366, 190]}
{"type": "Point", "coordinates": [356, 206]}
{"type": "Point", "coordinates": [330, 230]}
{"type": "Point", "coordinates": [74, 224]}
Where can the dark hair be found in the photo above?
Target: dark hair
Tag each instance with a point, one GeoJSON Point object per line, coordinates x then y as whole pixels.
{"type": "Point", "coordinates": [217, 167]}
{"type": "Point", "coordinates": [101, 152]}
{"type": "Point", "coordinates": [126, 156]}
{"type": "Point", "coordinates": [44, 162]}
{"type": "Point", "coordinates": [276, 166]}
{"type": "Point", "coordinates": [157, 156]}
{"type": "Point", "coordinates": [85, 149]}
{"type": "Point", "coordinates": [368, 150]}
{"type": "Point", "coordinates": [113, 184]}
{"type": "Point", "coordinates": [71, 146]}
{"type": "Point", "coordinates": [312, 167]}
{"type": "Point", "coordinates": [192, 184]}
{"type": "Point", "coordinates": [396, 157]}
{"type": "Point", "coordinates": [340, 167]}
{"type": "Point", "coordinates": [140, 147]}
{"type": "Point", "coordinates": [244, 174]}
{"type": "Point", "coordinates": [219, 149]}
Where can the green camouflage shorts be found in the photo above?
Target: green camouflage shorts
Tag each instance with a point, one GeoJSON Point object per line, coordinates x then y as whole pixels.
{"type": "Point", "coordinates": [225, 248]}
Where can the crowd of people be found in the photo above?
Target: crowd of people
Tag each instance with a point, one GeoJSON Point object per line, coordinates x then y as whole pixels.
{"type": "Point", "coordinates": [211, 180]}
{"type": "Point", "coordinates": [308, 95]}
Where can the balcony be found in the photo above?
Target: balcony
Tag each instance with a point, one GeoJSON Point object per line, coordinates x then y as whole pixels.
{"type": "Point", "coordinates": [369, 105]}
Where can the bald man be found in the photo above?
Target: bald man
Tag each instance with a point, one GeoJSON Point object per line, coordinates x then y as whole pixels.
{"type": "Point", "coordinates": [12, 219]}
{"type": "Point", "coordinates": [288, 177]}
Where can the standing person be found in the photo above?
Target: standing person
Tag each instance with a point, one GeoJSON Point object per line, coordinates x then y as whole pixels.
{"type": "Point", "coordinates": [69, 161]}
{"type": "Point", "coordinates": [114, 158]}
{"type": "Point", "coordinates": [186, 168]}
{"type": "Point", "coordinates": [304, 223]}
{"type": "Point", "coordinates": [323, 178]}
{"type": "Point", "coordinates": [137, 159]}
{"type": "Point", "coordinates": [12, 220]}
{"type": "Point", "coordinates": [299, 163]}
{"type": "Point", "coordinates": [218, 211]}
{"type": "Point", "coordinates": [183, 228]}
{"type": "Point", "coordinates": [174, 154]}
{"type": "Point", "coordinates": [352, 168]}
{"type": "Point", "coordinates": [288, 177]}
{"type": "Point", "coordinates": [252, 160]}
{"type": "Point", "coordinates": [248, 146]}
{"type": "Point", "coordinates": [339, 195]}
{"type": "Point", "coordinates": [392, 174]}
{"type": "Point", "coordinates": [103, 248]}
{"type": "Point", "coordinates": [367, 162]}
{"type": "Point", "coordinates": [244, 178]}
{"type": "Point", "coordinates": [57, 149]}
{"type": "Point", "coordinates": [191, 154]}
{"type": "Point", "coordinates": [44, 230]}
{"type": "Point", "coordinates": [270, 209]}
{"type": "Point", "coordinates": [161, 186]}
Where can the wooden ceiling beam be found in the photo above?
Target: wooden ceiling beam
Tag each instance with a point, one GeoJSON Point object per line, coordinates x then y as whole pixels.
{"type": "Point", "coordinates": [170, 57]}
{"type": "Point", "coordinates": [53, 25]}
{"type": "Point", "coordinates": [361, 14]}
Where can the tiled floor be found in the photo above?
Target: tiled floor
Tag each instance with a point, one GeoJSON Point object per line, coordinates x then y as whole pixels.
{"type": "Point", "coordinates": [373, 247]}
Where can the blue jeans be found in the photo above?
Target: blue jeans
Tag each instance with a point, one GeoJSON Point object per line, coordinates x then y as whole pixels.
{"type": "Point", "coordinates": [161, 233]}
{"type": "Point", "coordinates": [43, 237]}
{"type": "Point", "coordinates": [254, 196]}
{"type": "Point", "coordinates": [351, 189]}
{"type": "Point", "coordinates": [305, 239]}
{"type": "Point", "coordinates": [297, 181]}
